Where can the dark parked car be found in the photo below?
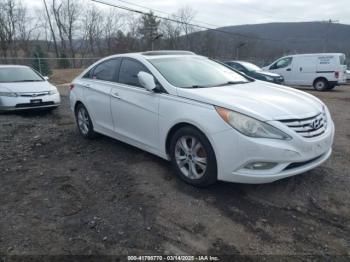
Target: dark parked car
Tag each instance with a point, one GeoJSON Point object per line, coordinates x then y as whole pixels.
{"type": "Point", "coordinates": [255, 72]}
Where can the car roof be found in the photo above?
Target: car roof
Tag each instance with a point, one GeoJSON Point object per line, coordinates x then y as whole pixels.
{"type": "Point", "coordinates": [240, 62]}
{"type": "Point", "coordinates": [154, 54]}
{"type": "Point", "coordinates": [315, 54]}
{"type": "Point", "coordinates": [13, 66]}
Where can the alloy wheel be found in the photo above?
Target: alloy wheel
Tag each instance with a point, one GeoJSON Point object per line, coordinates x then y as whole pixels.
{"type": "Point", "coordinates": [191, 157]}
{"type": "Point", "coordinates": [83, 121]}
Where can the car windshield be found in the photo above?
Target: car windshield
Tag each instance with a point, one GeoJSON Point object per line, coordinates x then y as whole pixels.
{"type": "Point", "coordinates": [18, 74]}
{"type": "Point", "coordinates": [251, 67]}
{"type": "Point", "coordinates": [195, 72]}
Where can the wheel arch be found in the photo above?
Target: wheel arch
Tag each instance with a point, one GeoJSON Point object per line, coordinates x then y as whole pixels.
{"type": "Point", "coordinates": [178, 126]}
{"type": "Point", "coordinates": [319, 78]}
{"type": "Point", "coordinates": [78, 102]}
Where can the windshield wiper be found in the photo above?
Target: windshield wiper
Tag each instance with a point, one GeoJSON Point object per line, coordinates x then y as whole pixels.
{"type": "Point", "coordinates": [26, 80]}
{"type": "Point", "coordinates": [223, 84]}
{"type": "Point", "coordinates": [233, 83]}
{"type": "Point", "coordinates": [195, 86]}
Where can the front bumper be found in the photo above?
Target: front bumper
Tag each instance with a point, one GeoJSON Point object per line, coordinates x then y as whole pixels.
{"type": "Point", "coordinates": [292, 157]}
{"type": "Point", "coordinates": [26, 103]}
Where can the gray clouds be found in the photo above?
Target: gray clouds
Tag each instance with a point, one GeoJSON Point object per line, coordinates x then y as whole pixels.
{"type": "Point", "coordinates": [228, 12]}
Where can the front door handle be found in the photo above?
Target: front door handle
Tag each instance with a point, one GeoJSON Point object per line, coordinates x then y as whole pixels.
{"type": "Point", "coordinates": [289, 69]}
{"type": "Point", "coordinates": [115, 95]}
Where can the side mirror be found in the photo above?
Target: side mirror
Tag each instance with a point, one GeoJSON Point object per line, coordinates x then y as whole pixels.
{"type": "Point", "coordinates": [146, 80]}
{"type": "Point", "coordinates": [46, 78]}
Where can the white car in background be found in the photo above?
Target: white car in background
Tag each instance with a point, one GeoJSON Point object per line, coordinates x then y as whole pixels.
{"type": "Point", "coordinates": [211, 122]}
{"type": "Point", "coordinates": [323, 71]}
{"type": "Point", "coordinates": [23, 88]}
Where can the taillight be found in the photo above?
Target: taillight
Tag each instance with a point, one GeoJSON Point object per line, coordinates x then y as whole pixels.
{"type": "Point", "coordinates": [71, 86]}
{"type": "Point", "coordinates": [336, 74]}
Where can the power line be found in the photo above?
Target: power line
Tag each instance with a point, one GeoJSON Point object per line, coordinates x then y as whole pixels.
{"type": "Point", "coordinates": [196, 25]}
{"type": "Point", "coordinates": [181, 22]}
{"type": "Point", "coordinates": [254, 10]}
{"type": "Point", "coordinates": [163, 12]}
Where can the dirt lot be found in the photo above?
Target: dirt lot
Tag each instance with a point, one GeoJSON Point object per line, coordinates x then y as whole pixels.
{"type": "Point", "coordinates": [61, 194]}
{"type": "Point", "coordinates": [64, 76]}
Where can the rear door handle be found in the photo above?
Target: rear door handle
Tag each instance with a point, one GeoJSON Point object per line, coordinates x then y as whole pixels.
{"type": "Point", "coordinates": [87, 85]}
{"type": "Point", "coordinates": [115, 95]}
{"type": "Point", "coordinates": [289, 69]}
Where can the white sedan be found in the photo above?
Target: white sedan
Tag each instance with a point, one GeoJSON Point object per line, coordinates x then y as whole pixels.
{"type": "Point", "coordinates": [23, 88]}
{"type": "Point", "coordinates": [211, 122]}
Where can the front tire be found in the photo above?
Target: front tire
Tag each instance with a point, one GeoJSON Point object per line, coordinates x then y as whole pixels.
{"type": "Point", "coordinates": [84, 123]}
{"type": "Point", "coordinates": [193, 157]}
{"type": "Point", "coordinates": [321, 84]}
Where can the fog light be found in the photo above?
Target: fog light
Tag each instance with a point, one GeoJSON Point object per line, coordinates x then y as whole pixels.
{"type": "Point", "coordinates": [260, 165]}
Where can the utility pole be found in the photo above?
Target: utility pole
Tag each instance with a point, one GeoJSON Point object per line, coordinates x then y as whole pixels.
{"type": "Point", "coordinates": [156, 38]}
{"type": "Point", "coordinates": [326, 37]}
{"type": "Point", "coordinates": [238, 46]}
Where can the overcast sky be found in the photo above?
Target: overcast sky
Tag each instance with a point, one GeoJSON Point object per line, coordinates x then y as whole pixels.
{"type": "Point", "coordinates": [235, 12]}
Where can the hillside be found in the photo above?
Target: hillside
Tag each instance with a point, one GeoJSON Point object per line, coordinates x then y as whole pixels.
{"type": "Point", "coordinates": [271, 40]}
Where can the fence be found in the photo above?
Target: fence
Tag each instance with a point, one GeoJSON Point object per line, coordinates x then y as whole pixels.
{"type": "Point", "coordinates": [82, 62]}
{"type": "Point", "coordinates": [44, 63]}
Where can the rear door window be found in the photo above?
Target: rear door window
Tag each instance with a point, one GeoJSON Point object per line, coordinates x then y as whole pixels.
{"type": "Point", "coordinates": [106, 71]}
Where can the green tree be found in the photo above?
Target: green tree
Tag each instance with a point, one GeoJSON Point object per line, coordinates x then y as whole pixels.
{"type": "Point", "coordinates": [40, 64]}
{"type": "Point", "coordinates": [63, 62]}
{"type": "Point", "coordinates": [148, 29]}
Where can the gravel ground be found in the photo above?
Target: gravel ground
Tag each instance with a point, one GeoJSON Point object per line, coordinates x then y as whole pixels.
{"type": "Point", "coordinates": [61, 194]}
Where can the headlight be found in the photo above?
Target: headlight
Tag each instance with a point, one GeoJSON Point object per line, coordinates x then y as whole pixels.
{"type": "Point", "coordinates": [53, 92]}
{"type": "Point", "coordinates": [250, 126]}
{"type": "Point", "coordinates": [9, 94]}
{"type": "Point", "coordinates": [268, 78]}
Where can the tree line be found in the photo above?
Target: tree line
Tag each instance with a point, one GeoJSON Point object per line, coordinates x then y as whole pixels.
{"type": "Point", "coordinates": [79, 29]}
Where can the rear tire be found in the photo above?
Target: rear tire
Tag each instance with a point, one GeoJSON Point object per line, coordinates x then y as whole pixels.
{"type": "Point", "coordinates": [321, 84]}
{"type": "Point", "coordinates": [84, 123]}
{"type": "Point", "coordinates": [193, 157]}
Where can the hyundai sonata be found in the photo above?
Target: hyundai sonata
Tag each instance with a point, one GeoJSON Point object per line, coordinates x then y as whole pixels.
{"type": "Point", "coordinates": [212, 123]}
{"type": "Point", "coordinates": [23, 88]}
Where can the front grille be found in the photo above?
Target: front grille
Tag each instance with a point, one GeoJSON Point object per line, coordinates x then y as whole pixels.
{"type": "Point", "coordinates": [34, 94]}
{"type": "Point", "coordinates": [34, 104]}
{"type": "Point", "coordinates": [308, 127]}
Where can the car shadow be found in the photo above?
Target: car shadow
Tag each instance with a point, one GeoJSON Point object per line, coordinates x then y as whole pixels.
{"type": "Point", "coordinates": [311, 89]}
{"type": "Point", "coordinates": [29, 112]}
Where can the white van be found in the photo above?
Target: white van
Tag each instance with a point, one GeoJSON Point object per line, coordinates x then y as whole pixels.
{"type": "Point", "coordinates": [322, 71]}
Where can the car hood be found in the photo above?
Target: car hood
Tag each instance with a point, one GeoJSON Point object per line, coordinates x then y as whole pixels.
{"type": "Point", "coordinates": [265, 73]}
{"type": "Point", "coordinates": [24, 87]}
{"type": "Point", "coordinates": [258, 99]}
